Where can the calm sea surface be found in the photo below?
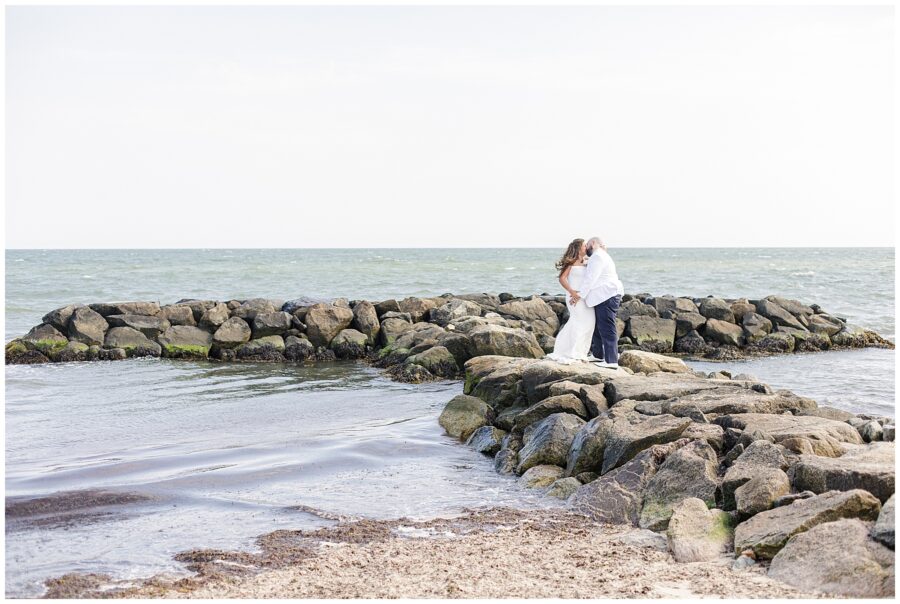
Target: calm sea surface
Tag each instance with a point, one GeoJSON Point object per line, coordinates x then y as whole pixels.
{"type": "Point", "coordinates": [212, 455]}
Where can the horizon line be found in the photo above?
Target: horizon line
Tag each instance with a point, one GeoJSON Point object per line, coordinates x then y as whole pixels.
{"type": "Point", "coordinates": [538, 247]}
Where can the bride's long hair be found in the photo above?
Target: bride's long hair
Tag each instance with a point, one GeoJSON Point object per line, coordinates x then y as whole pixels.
{"type": "Point", "coordinates": [573, 252]}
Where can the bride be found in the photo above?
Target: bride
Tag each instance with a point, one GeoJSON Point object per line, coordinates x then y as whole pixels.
{"type": "Point", "coordinates": [573, 342]}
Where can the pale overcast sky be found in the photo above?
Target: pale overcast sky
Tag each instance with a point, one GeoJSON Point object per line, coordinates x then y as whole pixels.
{"type": "Point", "coordinates": [431, 126]}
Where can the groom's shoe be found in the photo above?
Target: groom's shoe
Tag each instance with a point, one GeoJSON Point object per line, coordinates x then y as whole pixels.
{"type": "Point", "coordinates": [606, 365]}
{"type": "Point", "coordinates": [592, 359]}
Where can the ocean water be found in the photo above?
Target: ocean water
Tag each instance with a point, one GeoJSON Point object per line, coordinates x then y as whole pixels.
{"type": "Point", "coordinates": [210, 455]}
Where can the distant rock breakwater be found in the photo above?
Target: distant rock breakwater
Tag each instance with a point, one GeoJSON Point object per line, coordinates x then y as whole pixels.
{"type": "Point", "coordinates": [419, 339]}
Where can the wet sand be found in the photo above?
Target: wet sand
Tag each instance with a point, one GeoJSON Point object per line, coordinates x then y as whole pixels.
{"type": "Point", "coordinates": [499, 553]}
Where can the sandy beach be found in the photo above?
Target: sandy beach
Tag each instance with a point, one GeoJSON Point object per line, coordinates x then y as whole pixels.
{"type": "Point", "coordinates": [499, 553]}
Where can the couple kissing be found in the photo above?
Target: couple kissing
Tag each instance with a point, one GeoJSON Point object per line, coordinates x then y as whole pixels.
{"type": "Point", "coordinates": [593, 294]}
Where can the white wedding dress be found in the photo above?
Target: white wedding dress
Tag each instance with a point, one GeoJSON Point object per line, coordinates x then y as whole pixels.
{"type": "Point", "coordinates": [573, 342]}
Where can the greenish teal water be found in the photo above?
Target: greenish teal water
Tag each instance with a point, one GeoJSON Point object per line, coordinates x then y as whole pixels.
{"type": "Point", "coordinates": [222, 453]}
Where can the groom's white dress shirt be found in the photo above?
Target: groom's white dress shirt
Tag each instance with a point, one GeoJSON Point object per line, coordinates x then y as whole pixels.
{"type": "Point", "coordinates": [601, 282]}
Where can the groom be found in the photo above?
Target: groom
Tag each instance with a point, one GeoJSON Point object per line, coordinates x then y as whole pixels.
{"type": "Point", "coordinates": [602, 290]}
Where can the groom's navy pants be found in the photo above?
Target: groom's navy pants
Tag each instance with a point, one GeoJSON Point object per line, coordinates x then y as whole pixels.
{"type": "Point", "coordinates": [605, 341]}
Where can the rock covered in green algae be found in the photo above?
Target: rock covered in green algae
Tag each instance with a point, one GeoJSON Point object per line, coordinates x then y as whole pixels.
{"type": "Point", "coordinates": [185, 342]}
{"type": "Point", "coordinates": [45, 339]}
{"type": "Point", "coordinates": [696, 533]}
{"type": "Point", "coordinates": [689, 472]}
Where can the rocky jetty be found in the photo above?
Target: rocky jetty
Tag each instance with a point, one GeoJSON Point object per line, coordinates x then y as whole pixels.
{"type": "Point", "coordinates": [709, 464]}
{"type": "Point", "coordinates": [714, 465]}
{"type": "Point", "coordinates": [419, 339]}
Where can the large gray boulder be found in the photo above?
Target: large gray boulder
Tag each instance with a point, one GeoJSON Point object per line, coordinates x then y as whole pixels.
{"type": "Point", "coordinates": [420, 333]}
{"type": "Point", "coordinates": [636, 308]}
{"type": "Point", "coordinates": [563, 488]}
{"type": "Point", "coordinates": [177, 314]}
{"type": "Point", "coordinates": [349, 344]}
{"type": "Point", "coordinates": [365, 320]}
{"type": "Point", "coordinates": [826, 436]}
{"type": "Point", "coordinates": [836, 558]}
{"type": "Point", "coordinates": [633, 433]}
{"type": "Point", "coordinates": [250, 308]}
{"type": "Point", "coordinates": [391, 329]}
{"type": "Point", "coordinates": [463, 415]}
{"type": "Point", "coordinates": [212, 318]}
{"type": "Point", "coordinates": [494, 379]}
{"type": "Point", "coordinates": [459, 345]}
{"type": "Point", "coordinates": [883, 531]}
{"type": "Point", "coordinates": [437, 360]}
{"type": "Point", "coordinates": [686, 322]}
{"type": "Point", "coordinates": [132, 341]}
{"type": "Point", "coordinates": [266, 349]}
{"type": "Point", "coordinates": [454, 311]}
{"type": "Point", "coordinates": [761, 492]}
{"type": "Point", "coordinates": [755, 326]}
{"type": "Point", "coordinates": [150, 326]}
{"type": "Point", "coordinates": [59, 318]}
{"type": "Point", "coordinates": [564, 403]}
{"type": "Point", "coordinates": [825, 325]}
{"type": "Point", "coordinates": [416, 307]}
{"type": "Point", "coordinates": [689, 472]}
{"type": "Point", "coordinates": [657, 387]}
{"type": "Point", "coordinates": [125, 308]}
{"type": "Point", "coordinates": [729, 399]}
{"type": "Point", "coordinates": [758, 457]}
{"type": "Point", "coordinates": [539, 376]}
{"type": "Point", "coordinates": [487, 440]}
{"type": "Point", "coordinates": [549, 442]}
{"type": "Point", "coordinates": [869, 467]}
{"type": "Point", "coordinates": [199, 307]}
{"type": "Point", "coordinates": [271, 324]}
{"type": "Point", "coordinates": [655, 335]}
{"type": "Point", "coordinates": [642, 361]}
{"type": "Point", "coordinates": [497, 340]}
{"type": "Point", "coordinates": [535, 311]}
{"type": "Point", "coordinates": [716, 308]}
{"type": "Point", "coordinates": [795, 307]}
{"type": "Point", "coordinates": [541, 476]}
{"type": "Point", "coordinates": [723, 332]}
{"type": "Point", "coordinates": [617, 497]}
{"type": "Point", "coordinates": [87, 326]}
{"type": "Point", "coordinates": [586, 452]}
{"type": "Point", "coordinates": [185, 342]}
{"type": "Point", "coordinates": [696, 533]}
{"type": "Point", "coordinates": [777, 315]}
{"type": "Point", "coordinates": [767, 532]}
{"type": "Point", "coordinates": [232, 333]}
{"type": "Point", "coordinates": [324, 322]}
